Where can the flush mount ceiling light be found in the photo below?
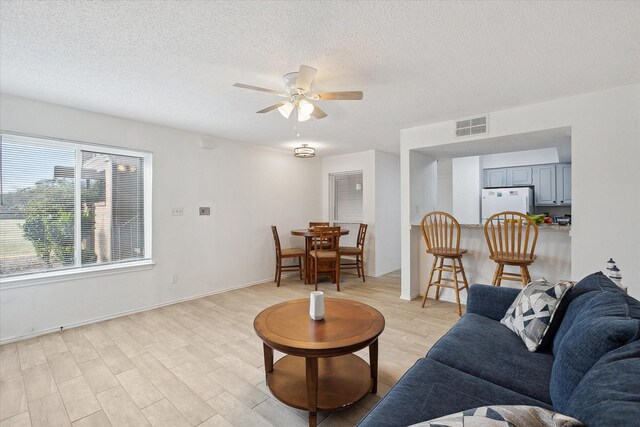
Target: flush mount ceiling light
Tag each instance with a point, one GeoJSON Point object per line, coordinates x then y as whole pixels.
{"type": "Point", "coordinates": [304, 152]}
{"type": "Point", "coordinates": [298, 92]}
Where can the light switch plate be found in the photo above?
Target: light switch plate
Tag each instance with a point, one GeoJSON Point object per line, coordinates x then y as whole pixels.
{"type": "Point", "coordinates": [205, 210]}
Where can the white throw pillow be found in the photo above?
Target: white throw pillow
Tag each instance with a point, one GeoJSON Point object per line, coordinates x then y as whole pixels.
{"type": "Point", "coordinates": [532, 311]}
{"type": "Point", "coordinates": [503, 416]}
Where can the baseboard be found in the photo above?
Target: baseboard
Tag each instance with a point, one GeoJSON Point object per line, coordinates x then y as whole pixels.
{"type": "Point", "coordinates": [447, 297]}
{"type": "Point", "coordinates": [407, 298]}
{"type": "Point", "coordinates": [128, 312]}
{"type": "Point", "coordinates": [387, 272]}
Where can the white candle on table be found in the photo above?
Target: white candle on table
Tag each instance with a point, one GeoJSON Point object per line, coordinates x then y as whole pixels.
{"type": "Point", "coordinates": [316, 305]}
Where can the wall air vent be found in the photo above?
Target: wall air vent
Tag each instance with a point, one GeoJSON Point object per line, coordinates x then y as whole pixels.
{"type": "Point", "coordinates": [472, 126]}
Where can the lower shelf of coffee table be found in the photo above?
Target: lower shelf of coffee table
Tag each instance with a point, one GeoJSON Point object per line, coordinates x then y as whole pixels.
{"type": "Point", "coordinates": [342, 381]}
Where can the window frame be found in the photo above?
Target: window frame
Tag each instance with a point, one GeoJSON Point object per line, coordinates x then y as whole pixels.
{"type": "Point", "coordinates": [78, 271]}
{"type": "Point", "coordinates": [352, 237]}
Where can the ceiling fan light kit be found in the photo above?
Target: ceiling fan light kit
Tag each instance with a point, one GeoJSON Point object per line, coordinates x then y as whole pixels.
{"type": "Point", "coordinates": [286, 109]}
{"type": "Point", "coordinates": [298, 92]}
{"type": "Point", "coordinates": [304, 152]}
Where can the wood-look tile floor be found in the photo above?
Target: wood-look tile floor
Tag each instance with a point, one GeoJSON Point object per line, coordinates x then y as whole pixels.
{"type": "Point", "coordinates": [195, 363]}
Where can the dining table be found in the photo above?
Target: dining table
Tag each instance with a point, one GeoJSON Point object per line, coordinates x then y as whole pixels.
{"type": "Point", "coordinates": [307, 233]}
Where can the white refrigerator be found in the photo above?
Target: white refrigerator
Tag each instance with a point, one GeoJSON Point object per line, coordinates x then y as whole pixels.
{"type": "Point", "coordinates": [518, 199]}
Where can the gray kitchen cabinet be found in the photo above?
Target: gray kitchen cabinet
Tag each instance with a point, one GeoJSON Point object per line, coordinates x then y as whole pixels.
{"type": "Point", "coordinates": [544, 180]}
{"type": "Point", "coordinates": [563, 183]}
{"type": "Point", "coordinates": [519, 176]}
{"type": "Point", "coordinates": [495, 177]}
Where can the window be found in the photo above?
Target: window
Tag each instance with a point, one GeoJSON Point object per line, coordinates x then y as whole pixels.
{"type": "Point", "coordinates": [71, 206]}
{"type": "Point", "coordinates": [347, 204]}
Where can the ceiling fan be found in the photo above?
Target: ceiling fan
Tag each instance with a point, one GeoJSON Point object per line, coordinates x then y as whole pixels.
{"type": "Point", "coordinates": [298, 94]}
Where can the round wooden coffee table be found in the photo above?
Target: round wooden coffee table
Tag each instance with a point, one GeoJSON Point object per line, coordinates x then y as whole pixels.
{"type": "Point", "coordinates": [320, 373]}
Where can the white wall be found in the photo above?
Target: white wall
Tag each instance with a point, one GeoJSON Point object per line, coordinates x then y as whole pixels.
{"type": "Point", "coordinates": [424, 185]}
{"type": "Point", "coordinates": [248, 187]}
{"type": "Point", "coordinates": [445, 186]}
{"type": "Point", "coordinates": [387, 213]}
{"type": "Point", "coordinates": [605, 130]}
{"type": "Point", "coordinates": [520, 158]}
{"type": "Point", "coordinates": [363, 161]}
{"type": "Point", "coordinates": [381, 204]}
{"type": "Point", "coordinates": [467, 173]}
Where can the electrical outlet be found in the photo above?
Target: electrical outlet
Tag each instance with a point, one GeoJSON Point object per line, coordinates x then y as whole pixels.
{"type": "Point", "coordinates": [174, 279]}
{"type": "Point", "coordinates": [177, 211]}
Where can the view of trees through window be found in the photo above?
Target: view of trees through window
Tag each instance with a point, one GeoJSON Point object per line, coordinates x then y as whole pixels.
{"type": "Point", "coordinates": [39, 204]}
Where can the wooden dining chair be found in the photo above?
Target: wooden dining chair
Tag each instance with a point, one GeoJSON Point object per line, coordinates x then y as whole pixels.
{"type": "Point", "coordinates": [357, 252]}
{"type": "Point", "coordinates": [282, 254]}
{"type": "Point", "coordinates": [313, 224]}
{"type": "Point", "coordinates": [325, 255]}
{"type": "Point", "coordinates": [511, 238]}
{"type": "Point", "coordinates": [441, 233]}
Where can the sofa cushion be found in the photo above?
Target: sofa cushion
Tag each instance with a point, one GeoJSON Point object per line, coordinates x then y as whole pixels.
{"type": "Point", "coordinates": [576, 299]}
{"type": "Point", "coordinates": [609, 394]}
{"type": "Point", "coordinates": [504, 416]}
{"type": "Point", "coordinates": [531, 313]}
{"type": "Point", "coordinates": [488, 350]}
{"type": "Point", "coordinates": [490, 301]}
{"type": "Point", "coordinates": [602, 325]}
{"type": "Point", "coordinates": [431, 389]}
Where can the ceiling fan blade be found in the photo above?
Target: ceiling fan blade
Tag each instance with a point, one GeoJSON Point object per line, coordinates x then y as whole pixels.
{"type": "Point", "coordinates": [318, 113]}
{"type": "Point", "coordinates": [305, 77]}
{"type": "Point", "coordinates": [261, 89]}
{"type": "Point", "coordinates": [355, 95]}
{"type": "Point", "coordinates": [271, 108]}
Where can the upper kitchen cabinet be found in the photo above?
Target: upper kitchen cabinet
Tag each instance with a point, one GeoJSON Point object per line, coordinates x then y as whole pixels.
{"type": "Point", "coordinates": [544, 180]}
{"type": "Point", "coordinates": [495, 177]}
{"type": "Point", "coordinates": [519, 176]}
{"type": "Point", "coordinates": [563, 183]}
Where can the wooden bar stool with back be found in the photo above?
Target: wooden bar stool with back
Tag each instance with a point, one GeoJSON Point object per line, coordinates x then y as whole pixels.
{"type": "Point", "coordinates": [511, 238]}
{"type": "Point", "coordinates": [441, 233]}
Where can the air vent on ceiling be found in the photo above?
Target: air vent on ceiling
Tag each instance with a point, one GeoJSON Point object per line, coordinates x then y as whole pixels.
{"type": "Point", "coordinates": [472, 126]}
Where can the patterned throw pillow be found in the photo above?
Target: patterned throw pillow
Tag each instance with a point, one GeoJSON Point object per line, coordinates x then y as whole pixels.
{"type": "Point", "coordinates": [504, 416]}
{"type": "Point", "coordinates": [531, 313]}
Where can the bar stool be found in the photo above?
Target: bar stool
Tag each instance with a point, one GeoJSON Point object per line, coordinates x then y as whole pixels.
{"type": "Point", "coordinates": [441, 233]}
{"type": "Point", "coordinates": [511, 238]}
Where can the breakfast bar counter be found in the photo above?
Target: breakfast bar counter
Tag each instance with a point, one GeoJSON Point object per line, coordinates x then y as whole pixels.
{"type": "Point", "coordinates": [541, 227]}
{"type": "Point", "coordinates": [553, 257]}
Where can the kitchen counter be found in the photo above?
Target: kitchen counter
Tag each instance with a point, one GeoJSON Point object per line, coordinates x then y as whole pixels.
{"type": "Point", "coordinates": [541, 227]}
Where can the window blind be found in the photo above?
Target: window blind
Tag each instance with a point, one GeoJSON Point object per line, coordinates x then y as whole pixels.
{"type": "Point", "coordinates": [347, 205]}
{"type": "Point", "coordinates": [66, 205]}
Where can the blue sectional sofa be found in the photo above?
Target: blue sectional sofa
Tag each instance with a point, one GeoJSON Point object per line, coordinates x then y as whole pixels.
{"type": "Point", "coordinates": [589, 368]}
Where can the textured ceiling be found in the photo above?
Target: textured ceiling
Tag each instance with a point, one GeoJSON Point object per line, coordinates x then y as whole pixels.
{"type": "Point", "coordinates": [174, 63]}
